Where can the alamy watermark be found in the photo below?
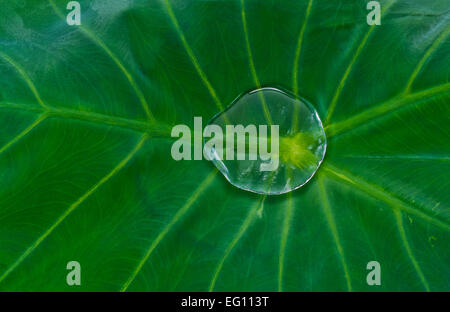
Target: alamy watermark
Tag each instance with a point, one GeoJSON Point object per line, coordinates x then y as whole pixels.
{"type": "Point", "coordinates": [239, 142]}
{"type": "Point", "coordinates": [73, 278]}
{"type": "Point", "coordinates": [74, 16]}
{"type": "Point", "coordinates": [374, 276]}
{"type": "Point", "coordinates": [374, 16]}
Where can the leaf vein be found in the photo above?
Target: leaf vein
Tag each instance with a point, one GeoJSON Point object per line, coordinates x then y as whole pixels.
{"type": "Point", "coordinates": [192, 57]}
{"type": "Point", "coordinates": [154, 129]}
{"type": "Point", "coordinates": [299, 49]}
{"type": "Point", "coordinates": [179, 214]}
{"type": "Point", "coordinates": [326, 208]}
{"type": "Point", "coordinates": [72, 207]}
{"type": "Point", "coordinates": [252, 64]}
{"type": "Point", "coordinates": [23, 133]}
{"type": "Point", "coordinates": [404, 239]}
{"type": "Point", "coordinates": [245, 225]}
{"type": "Point", "coordinates": [351, 64]}
{"type": "Point", "coordinates": [423, 60]}
{"type": "Point", "coordinates": [25, 77]}
{"type": "Point", "coordinates": [378, 192]}
{"type": "Point", "coordinates": [127, 74]}
{"type": "Point", "coordinates": [386, 107]}
{"type": "Point", "coordinates": [284, 238]}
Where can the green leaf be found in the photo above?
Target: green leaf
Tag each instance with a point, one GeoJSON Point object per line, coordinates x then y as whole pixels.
{"type": "Point", "coordinates": [86, 172]}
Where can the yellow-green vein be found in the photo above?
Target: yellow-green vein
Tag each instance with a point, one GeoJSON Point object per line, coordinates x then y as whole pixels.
{"type": "Point", "coordinates": [180, 213]}
{"type": "Point", "coordinates": [401, 229]}
{"type": "Point", "coordinates": [289, 208]}
{"type": "Point", "coordinates": [196, 246]}
{"type": "Point", "coordinates": [299, 49]}
{"type": "Point", "coordinates": [155, 129]}
{"type": "Point", "coordinates": [383, 108]}
{"type": "Point", "coordinates": [326, 208]}
{"type": "Point", "coordinates": [351, 64]}
{"type": "Point", "coordinates": [252, 64]}
{"type": "Point", "coordinates": [423, 60]}
{"type": "Point", "coordinates": [72, 207]}
{"type": "Point", "coordinates": [116, 60]}
{"type": "Point", "coordinates": [25, 77]}
{"type": "Point", "coordinates": [191, 55]}
{"type": "Point", "coordinates": [284, 237]}
{"type": "Point", "coordinates": [23, 133]}
{"type": "Point", "coordinates": [296, 62]}
{"type": "Point", "coordinates": [70, 113]}
{"type": "Point", "coordinates": [248, 220]}
{"type": "Point", "coordinates": [378, 192]}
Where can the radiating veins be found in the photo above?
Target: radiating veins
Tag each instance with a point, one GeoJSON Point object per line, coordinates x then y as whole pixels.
{"type": "Point", "coordinates": [116, 60]}
{"type": "Point", "coordinates": [23, 133]}
{"type": "Point", "coordinates": [35, 92]}
{"type": "Point", "coordinates": [178, 215]}
{"type": "Point", "coordinates": [352, 63]}
{"type": "Point", "coordinates": [45, 110]}
{"type": "Point", "coordinates": [25, 77]}
{"type": "Point", "coordinates": [399, 100]}
{"type": "Point", "coordinates": [75, 205]}
{"type": "Point", "coordinates": [378, 192]}
{"type": "Point", "coordinates": [245, 225]}
{"type": "Point", "coordinates": [424, 59]}
{"type": "Point", "coordinates": [290, 208]}
{"type": "Point", "coordinates": [155, 127]}
{"type": "Point", "coordinates": [386, 107]}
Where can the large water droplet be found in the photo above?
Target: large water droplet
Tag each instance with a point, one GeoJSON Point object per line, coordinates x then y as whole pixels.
{"type": "Point", "coordinates": [302, 142]}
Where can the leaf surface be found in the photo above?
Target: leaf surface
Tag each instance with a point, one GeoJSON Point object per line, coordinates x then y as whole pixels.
{"type": "Point", "coordinates": [85, 166]}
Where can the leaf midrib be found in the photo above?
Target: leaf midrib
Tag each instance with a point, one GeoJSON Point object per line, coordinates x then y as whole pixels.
{"type": "Point", "coordinates": [154, 129]}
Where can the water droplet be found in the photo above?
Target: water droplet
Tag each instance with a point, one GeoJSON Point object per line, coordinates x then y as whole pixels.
{"type": "Point", "coordinates": [301, 144]}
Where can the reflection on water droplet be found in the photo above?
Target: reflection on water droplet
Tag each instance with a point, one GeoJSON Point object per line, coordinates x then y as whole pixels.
{"type": "Point", "coordinates": [302, 141]}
